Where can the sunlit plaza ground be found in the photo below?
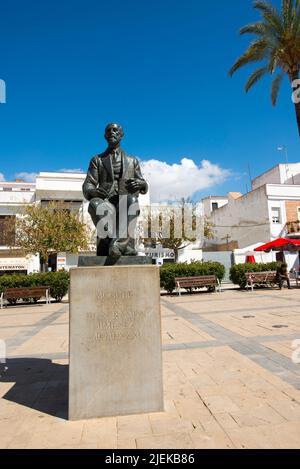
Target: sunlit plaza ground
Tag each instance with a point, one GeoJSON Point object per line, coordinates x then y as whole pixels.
{"type": "Point", "coordinates": [229, 378]}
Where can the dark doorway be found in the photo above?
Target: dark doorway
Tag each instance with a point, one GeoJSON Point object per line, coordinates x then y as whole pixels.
{"type": "Point", "coordinates": [52, 262]}
{"type": "Point", "coordinates": [280, 257]}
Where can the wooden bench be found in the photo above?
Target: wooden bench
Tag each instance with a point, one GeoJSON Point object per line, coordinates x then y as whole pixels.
{"type": "Point", "coordinates": [208, 281]}
{"type": "Point", "coordinates": [260, 278]}
{"type": "Point", "coordinates": [14, 294]}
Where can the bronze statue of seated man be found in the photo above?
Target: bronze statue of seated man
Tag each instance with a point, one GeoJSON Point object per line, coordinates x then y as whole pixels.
{"type": "Point", "coordinates": [113, 184]}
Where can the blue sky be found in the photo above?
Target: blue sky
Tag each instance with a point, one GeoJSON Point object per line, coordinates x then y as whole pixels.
{"type": "Point", "coordinates": [160, 68]}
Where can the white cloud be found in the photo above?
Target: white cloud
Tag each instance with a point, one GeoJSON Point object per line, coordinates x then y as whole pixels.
{"type": "Point", "coordinates": [27, 177]}
{"type": "Point", "coordinates": [2, 178]}
{"type": "Point", "coordinates": [175, 181]}
{"type": "Point", "coordinates": [76, 170]}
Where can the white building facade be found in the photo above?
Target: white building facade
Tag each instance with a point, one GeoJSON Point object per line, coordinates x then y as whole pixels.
{"type": "Point", "coordinates": [212, 203]}
{"type": "Point", "coordinates": [49, 186]}
{"type": "Point", "coordinates": [271, 210]}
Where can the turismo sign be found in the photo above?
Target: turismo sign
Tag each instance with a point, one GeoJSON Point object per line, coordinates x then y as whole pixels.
{"type": "Point", "coordinates": [160, 253]}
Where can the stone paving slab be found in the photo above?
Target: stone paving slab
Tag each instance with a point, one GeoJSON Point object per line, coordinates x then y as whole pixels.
{"type": "Point", "coordinates": [229, 381]}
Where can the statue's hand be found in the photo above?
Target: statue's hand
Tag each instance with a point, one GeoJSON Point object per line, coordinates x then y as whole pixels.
{"type": "Point", "coordinates": [102, 193]}
{"type": "Point", "coordinates": [135, 185]}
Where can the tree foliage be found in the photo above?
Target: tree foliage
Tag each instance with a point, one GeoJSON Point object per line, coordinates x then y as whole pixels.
{"type": "Point", "coordinates": [276, 46]}
{"type": "Point", "coordinates": [50, 229]}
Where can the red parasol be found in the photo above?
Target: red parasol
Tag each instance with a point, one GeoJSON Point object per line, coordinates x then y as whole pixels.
{"type": "Point", "coordinates": [250, 260]}
{"type": "Point", "coordinates": [280, 244]}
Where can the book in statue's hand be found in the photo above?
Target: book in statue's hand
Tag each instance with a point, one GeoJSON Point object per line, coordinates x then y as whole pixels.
{"type": "Point", "coordinates": [132, 186]}
{"type": "Point", "coordinates": [122, 186]}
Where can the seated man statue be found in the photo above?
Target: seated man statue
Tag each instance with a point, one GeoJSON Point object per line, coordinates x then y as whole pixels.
{"type": "Point", "coordinates": [114, 177]}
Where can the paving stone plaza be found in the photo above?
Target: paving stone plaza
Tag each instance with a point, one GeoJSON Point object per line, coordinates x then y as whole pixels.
{"type": "Point", "coordinates": [229, 377]}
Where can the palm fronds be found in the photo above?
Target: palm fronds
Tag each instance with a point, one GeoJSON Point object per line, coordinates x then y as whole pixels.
{"type": "Point", "coordinates": [276, 45]}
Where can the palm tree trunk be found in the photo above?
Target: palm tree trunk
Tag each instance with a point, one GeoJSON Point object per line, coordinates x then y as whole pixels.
{"type": "Point", "coordinates": [296, 100]}
{"type": "Point", "coordinates": [297, 107]}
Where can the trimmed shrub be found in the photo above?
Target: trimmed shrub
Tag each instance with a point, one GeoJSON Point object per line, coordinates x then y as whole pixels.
{"type": "Point", "coordinates": [237, 272]}
{"type": "Point", "coordinates": [58, 282]}
{"type": "Point", "coordinates": [169, 272]}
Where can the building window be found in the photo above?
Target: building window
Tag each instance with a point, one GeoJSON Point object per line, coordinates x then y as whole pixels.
{"type": "Point", "coordinates": [214, 206]}
{"type": "Point", "coordinates": [7, 189]}
{"type": "Point", "coordinates": [298, 213]}
{"type": "Point", "coordinates": [276, 215]}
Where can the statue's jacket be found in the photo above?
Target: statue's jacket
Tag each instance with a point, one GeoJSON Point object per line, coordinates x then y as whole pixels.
{"type": "Point", "coordinates": [101, 174]}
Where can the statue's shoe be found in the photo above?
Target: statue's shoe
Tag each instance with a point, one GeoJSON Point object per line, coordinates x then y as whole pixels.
{"type": "Point", "coordinates": [115, 252]}
{"type": "Point", "coordinates": [130, 252]}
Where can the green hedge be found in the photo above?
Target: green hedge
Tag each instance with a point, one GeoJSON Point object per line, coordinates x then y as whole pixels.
{"type": "Point", "coordinates": [168, 272]}
{"type": "Point", "coordinates": [237, 272]}
{"type": "Point", "coordinates": [57, 281]}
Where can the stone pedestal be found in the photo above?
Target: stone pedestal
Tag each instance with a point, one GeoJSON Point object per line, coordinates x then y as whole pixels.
{"type": "Point", "coordinates": [115, 341]}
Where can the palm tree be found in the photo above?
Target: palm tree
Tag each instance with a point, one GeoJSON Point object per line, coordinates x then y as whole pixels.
{"type": "Point", "coordinates": [276, 45]}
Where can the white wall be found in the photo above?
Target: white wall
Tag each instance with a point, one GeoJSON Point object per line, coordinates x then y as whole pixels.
{"type": "Point", "coordinates": [295, 180]}
{"type": "Point", "coordinates": [72, 260]}
{"type": "Point", "coordinates": [292, 260]}
{"type": "Point", "coordinates": [245, 220]}
{"type": "Point", "coordinates": [288, 171]}
{"type": "Point", "coordinates": [59, 186]}
{"type": "Point", "coordinates": [33, 264]}
{"type": "Point", "coordinates": [283, 191]}
{"type": "Point", "coordinates": [269, 177]}
{"type": "Point", "coordinates": [280, 174]}
{"type": "Point", "coordinates": [189, 255]}
{"type": "Point", "coordinates": [16, 198]}
{"type": "Point", "coordinates": [208, 201]}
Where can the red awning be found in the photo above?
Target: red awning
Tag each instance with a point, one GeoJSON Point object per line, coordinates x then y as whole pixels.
{"type": "Point", "coordinates": [281, 244]}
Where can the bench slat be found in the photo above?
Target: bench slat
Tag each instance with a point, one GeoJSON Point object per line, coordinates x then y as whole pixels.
{"type": "Point", "coordinates": [29, 292]}
{"type": "Point", "coordinates": [196, 279]}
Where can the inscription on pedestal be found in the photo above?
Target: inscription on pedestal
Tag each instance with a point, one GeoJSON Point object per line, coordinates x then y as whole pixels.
{"type": "Point", "coordinates": [115, 341]}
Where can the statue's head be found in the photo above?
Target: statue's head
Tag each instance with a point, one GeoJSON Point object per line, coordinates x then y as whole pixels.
{"type": "Point", "coordinates": [113, 134]}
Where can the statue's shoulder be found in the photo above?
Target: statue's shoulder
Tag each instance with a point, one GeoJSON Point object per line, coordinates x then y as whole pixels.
{"type": "Point", "coordinates": [131, 158]}
{"type": "Point", "coordinates": [97, 159]}
{"type": "Point", "coordinates": [101, 155]}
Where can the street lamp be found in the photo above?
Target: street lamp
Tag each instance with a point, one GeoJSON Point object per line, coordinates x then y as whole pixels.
{"type": "Point", "coordinates": [284, 148]}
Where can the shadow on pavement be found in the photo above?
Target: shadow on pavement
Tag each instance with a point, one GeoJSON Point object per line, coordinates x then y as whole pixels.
{"type": "Point", "coordinates": [39, 384]}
